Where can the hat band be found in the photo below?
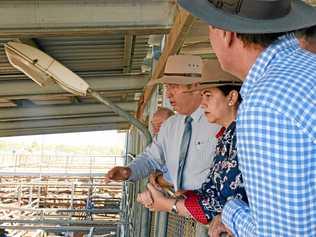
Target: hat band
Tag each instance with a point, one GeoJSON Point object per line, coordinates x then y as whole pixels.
{"type": "Point", "coordinates": [184, 74]}
{"type": "Point", "coordinates": [254, 9]}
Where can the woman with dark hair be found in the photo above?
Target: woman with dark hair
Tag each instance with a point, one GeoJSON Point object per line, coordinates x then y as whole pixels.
{"type": "Point", "coordinates": [220, 103]}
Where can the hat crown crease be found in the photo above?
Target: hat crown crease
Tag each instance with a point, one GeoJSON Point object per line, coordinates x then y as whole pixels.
{"type": "Point", "coordinates": [254, 9]}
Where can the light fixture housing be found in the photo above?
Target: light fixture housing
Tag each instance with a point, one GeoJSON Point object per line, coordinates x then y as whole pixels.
{"type": "Point", "coordinates": [43, 69]}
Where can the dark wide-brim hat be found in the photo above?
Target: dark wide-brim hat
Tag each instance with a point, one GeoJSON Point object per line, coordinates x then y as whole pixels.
{"type": "Point", "coordinates": [253, 16]}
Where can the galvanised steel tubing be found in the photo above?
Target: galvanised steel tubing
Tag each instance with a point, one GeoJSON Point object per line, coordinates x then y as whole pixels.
{"type": "Point", "coordinates": [124, 114]}
{"type": "Point", "coordinates": [60, 228]}
{"type": "Point", "coordinates": [161, 229]}
{"type": "Point", "coordinates": [57, 210]}
{"type": "Point", "coordinates": [61, 221]}
{"type": "Point", "coordinates": [146, 216]}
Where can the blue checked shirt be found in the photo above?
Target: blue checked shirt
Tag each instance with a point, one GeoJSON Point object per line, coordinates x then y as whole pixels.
{"type": "Point", "coordinates": [276, 142]}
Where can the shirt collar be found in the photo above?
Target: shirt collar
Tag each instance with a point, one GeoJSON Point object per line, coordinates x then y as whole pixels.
{"type": "Point", "coordinates": [220, 132]}
{"type": "Point", "coordinates": [197, 114]}
{"type": "Point", "coordinates": [284, 45]}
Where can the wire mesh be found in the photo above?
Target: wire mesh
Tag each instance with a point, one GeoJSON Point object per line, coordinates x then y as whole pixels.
{"type": "Point", "coordinates": [180, 226]}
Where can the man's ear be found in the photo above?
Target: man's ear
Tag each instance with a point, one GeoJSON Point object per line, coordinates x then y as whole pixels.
{"type": "Point", "coordinates": [229, 37]}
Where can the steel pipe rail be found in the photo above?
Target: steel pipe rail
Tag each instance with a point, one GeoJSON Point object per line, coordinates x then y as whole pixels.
{"type": "Point", "coordinates": [134, 121]}
{"type": "Point", "coordinates": [61, 221]}
{"type": "Point", "coordinates": [61, 228]}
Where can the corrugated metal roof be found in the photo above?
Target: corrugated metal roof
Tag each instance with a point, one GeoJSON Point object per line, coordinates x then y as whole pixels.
{"type": "Point", "coordinates": [106, 46]}
{"type": "Point", "coordinates": [105, 42]}
{"type": "Point", "coordinates": [197, 41]}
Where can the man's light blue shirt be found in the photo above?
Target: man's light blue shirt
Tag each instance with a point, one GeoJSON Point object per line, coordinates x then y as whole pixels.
{"type": "Point", "coordinates": [276, 142]}
{"type": "Point", "coordinates": [165, 151]}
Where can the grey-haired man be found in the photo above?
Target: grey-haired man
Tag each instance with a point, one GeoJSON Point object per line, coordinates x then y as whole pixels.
{"type": "Point", "coordinates": [181, 72]}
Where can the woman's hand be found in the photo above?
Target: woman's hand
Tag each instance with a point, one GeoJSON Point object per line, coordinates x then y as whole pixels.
{"type": "Point", "coordinates": [145, 199]}
{"type": "Point", "coordinates": [161, 203]}
{"type": "Point", "coordinates": [155, 200]}
{"type": "Point", "coordinates": [217, 228]}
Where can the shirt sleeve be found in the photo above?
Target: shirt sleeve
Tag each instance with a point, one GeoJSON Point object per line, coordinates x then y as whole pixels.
{"type": "Point", "coordinates": [274, 156]}
{"type": "Point", "coordinates": [236, 216]}
{"type": "Point", "coordinates": [193, 206]}
{"type": "Point", "coordinates": [207, 200]}
{"type": "Point", "coordinates": [150, 160]}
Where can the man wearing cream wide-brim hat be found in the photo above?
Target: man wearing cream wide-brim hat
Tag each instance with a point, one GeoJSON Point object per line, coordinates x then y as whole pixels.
{"type": "Point", "coordinates": [220, 92]}
{"type": "Point", "coordinates": [186, 141]}
{"type": "Point", "coordinates": [276, 121]}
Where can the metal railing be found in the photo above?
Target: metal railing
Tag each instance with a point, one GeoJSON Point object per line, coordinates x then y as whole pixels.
{"type": "Point", "coordinates": [57, 165]}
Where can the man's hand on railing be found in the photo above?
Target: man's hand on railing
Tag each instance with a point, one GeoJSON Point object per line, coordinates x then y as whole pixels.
{"type": "Point", "coordinates": [159, 182]}
{"type": "Point", "coordinates": [156, 180]}
{"type": "Point", "coordinates": [118, 173]}
{"type": "Point", "coordinates": [154, 199]}
{"type": "Point", "coordinates": [218, 229]}
{"type": "Point", "coordinates": [146, 199]}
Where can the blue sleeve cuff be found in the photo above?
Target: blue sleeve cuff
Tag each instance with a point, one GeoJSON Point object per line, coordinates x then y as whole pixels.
{"type": "Point", "coordinates": [135, 176]}
{"type": "Point", "coordinates": [237, 217]}
{"type": "Point", "coordinates": [141, 167]}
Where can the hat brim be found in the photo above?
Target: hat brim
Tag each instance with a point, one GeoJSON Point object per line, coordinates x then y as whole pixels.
{"type": "Point", "coordinates": [300, 16]}
{"type": "Point", "coordinates": [180, 80]}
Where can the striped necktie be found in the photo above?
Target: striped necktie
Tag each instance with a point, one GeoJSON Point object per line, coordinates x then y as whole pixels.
{"type": "Point", "coordinates": [185, 143]}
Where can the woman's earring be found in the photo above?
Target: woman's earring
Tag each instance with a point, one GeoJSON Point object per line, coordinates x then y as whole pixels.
{"type": "Point", "coordinates": [230, 104]}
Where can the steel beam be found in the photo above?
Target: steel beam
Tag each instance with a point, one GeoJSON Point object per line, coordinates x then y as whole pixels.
{"type": "Point", "coordinates": [60, 111]}
{"type": "Point", "coordinates": [111, 83]}
{"type": "Point", "coordinates": [77, 17]}
{"type": "Point", "coordinates": [48, 123]}
{"type": "Point", "coordinates": [129, 44]}
{"type": "Point", "coordinates": [64, 129]}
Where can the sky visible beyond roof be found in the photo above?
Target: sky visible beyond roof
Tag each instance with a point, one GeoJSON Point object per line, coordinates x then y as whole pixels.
{"type": "Point", "coordinates": [100, 138]}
